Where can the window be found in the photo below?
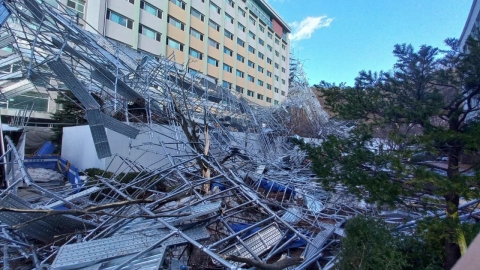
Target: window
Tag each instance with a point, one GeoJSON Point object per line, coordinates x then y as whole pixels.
{"type": "Point", "coordinates": [262, 28]}
{"type": "Point", "coordinates": [226, 84]}
{"type": "Point", "coordinates": [241, 27]}
{"type": "Point", "coordinates": [269, 100]}
{"type": "Point", "coordinates": [260, 55]}
{"type": "Point", "coordinates": [195, 13]}
{"type": "Point", "coordinates": [269, 60]}
{"type": "Point", "coordinates": [260, 69]}
{"type": "Point", "coordinates": [250, 78]}
{"type": "Point", "coordinates": [239, 89]}
{"type": "Point", "coordinates": [277, 54]}
{"type": "Point", "coordinates": [269, 73]}
{"type": "Point", "coordinates": [283, 81]}
{"type": "Point", "coordinates": [269, 48]}
{"type": "Point", "coordinates": [195, 53]}
{"type": "Point", "coordinates": [240, 73]}
{"type": "Point", "coordinates": [251, 19]}
{"type": "Point", "coordinates": [240, 42]}
{"type": "Point", "coordinates": [176, 23]}
{"type": "Point", "coordinates": [214, 8]}
{"type": "Point", "coordinates": [196, 34]}
{"type": "Point", "coordinates": [260, 82]}
{"type": "Point", "coordinates": [227, 51]}
{"type": "Point", "coordinates": [283, 70]}
{"type": "Point", "coordinates": [251, 64]}
{"type": "Point", "coordinates": [192, 71]}
{"type": "Point", "coordinates": [240, 58]}
{"type": "Point", "coordinates": [251, 49]}
{"type": "Point", "coordinates": [276, 65]}
{"type": "Point", "coordinates": [213, 43]}
{"type": "Point", "coordinates": [214, 25]}
{"type": "Point", "coordinates": [227, 68]}
{"type": "Point", "coordinates": [250, 93]}
{"type": "Point", "coordinates": [179, 3]}
{"type": "Point", "coordinates": [241, 11]}
{"type": "Point", "coordinates": [76, 7]}
{"type": "Point", "coordinates": [115, 17]}
{"type": "Point", "coordinates": [261, 42]}
{"type": "Point", "coordinates": [283, 58]}
{"type": "Point", "coordinates": [260, 96]}
{"type": "Point", "coordinates": [175, 44]}
{"type": "Point", "coordinates": [231, 3]}
{"type": "Point", "coordinates": [283, 93]}
{"type": "Point", "coordinates": [269, 86]}
{"type": "Point", "coordinates": [270, 35]}
{"type": "Point", "coordinates": [151, 9]}
{"type": "Point", "coordinates": [212, 61]}
{"type": "Point", "coordinates": [283, 46]}
{"type": "Point", "coordinates": [228, 17]}
{"type": "Point", "coordinates": [276, 90]}
{"type": "Point", "coordinates": [130, 1]}
{"type": "Point", "coordinates": [251, 34]}
{"type": "Point", "coordinates": [275, 102]}
{"type": "Point", "coordinates": [277, 42]}
{"type": "Point", "coordinates": [276, 78]}
{"type": "Point", "coordinates": [228, 34]}
{"type": "Point", "coordinates": [142, 29]}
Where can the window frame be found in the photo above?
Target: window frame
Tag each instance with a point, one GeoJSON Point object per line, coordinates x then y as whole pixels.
{"type": "Point", "coordinates": [200, 16]}
{"type": "Point", "coordinates": [158, 35]}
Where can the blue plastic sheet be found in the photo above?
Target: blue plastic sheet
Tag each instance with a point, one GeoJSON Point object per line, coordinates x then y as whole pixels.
{"type": "Point", "coordinates": [274, 187]}
{"type": "Point", "coordinates": [46, 149]}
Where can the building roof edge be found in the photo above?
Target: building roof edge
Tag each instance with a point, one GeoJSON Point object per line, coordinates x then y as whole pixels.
{"type": "Point", "coordinates": [275, 14]}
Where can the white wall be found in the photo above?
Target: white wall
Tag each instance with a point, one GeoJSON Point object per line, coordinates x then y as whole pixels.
{"type": "Point", "coordinates": [78, 148]}
{"type": "Point", "coordinates": [146, 149]}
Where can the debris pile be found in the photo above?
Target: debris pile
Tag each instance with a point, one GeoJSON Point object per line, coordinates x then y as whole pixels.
{"type": "Point", "coordinates": [227, 190]}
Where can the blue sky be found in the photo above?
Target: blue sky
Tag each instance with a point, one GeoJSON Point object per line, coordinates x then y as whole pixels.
{"type": "Point", "coordinates": [338, 38]}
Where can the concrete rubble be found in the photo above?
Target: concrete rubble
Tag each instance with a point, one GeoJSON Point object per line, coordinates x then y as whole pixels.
{"type": "Point", "coordinates": [231, 192]}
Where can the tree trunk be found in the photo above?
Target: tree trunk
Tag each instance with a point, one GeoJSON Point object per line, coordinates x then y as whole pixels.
{"type": "Point", "coordinates": [452, 248]}
{"type": "Point", "coordinates": [454, 238]}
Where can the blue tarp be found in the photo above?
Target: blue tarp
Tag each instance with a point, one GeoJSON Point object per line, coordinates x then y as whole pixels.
{"type": "Point", "coordinates": [274, 187]}
{"type": "Point", "coordinates": [46, 149]}
{"type": "Point", "coordinates": [58, 164]}
{"type": "Point", "coordinates": [217, 184]}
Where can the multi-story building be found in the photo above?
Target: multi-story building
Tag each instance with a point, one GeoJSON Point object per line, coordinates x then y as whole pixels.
{"type": "Point", "coordinates": [472, 24]}
{"type": "Point", "coordinates": [243, 44]}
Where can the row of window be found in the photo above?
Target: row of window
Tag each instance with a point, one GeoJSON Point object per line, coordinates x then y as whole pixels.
{"type": "Point", "coordinates": [78, 5]}
{"type": "Point", "coordinates": [113, 16]}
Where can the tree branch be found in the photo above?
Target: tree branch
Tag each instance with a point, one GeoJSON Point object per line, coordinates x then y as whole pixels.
{"type": "Point", "coordinates": [279, 265]}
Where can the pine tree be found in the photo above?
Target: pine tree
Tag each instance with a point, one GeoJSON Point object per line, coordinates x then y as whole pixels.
{"type": "Point", "coordinates": [427, 103]}
{"type": "Point", "coordinates": [69, 114]}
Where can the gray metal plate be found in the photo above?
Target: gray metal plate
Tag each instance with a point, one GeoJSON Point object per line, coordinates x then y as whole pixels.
{"type": "Point", "coordinates": [44, 229]}
{"type": "Point", "coordinates": [259, 243]}
{"type": "Point", "coordinates": [96, 251]}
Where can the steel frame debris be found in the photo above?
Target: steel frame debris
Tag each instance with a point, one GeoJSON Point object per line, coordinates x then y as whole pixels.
{"type": "Point", "coordinates": [226, 179]}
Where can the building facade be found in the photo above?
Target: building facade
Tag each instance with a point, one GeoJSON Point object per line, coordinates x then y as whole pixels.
{"type": "Point", "coordinates": [472, 23]}
{"type": "Point", "coordinates": [472, 26]}
{"type": "Point", "coordinates": [243, 44]}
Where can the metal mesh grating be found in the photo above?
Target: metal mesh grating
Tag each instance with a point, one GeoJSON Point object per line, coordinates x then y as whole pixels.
{"type": "Point", "coordinates": [99, 135]}
{"type": "Point", "coordinates": [69, 79]}
{"type": "Point", "coordinates": [120, 127]}
{"type": "Point", "coordinates": [258, 242]}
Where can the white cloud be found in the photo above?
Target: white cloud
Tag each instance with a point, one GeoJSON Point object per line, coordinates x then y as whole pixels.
{"type": "Point", "coordinates": [305, 29]}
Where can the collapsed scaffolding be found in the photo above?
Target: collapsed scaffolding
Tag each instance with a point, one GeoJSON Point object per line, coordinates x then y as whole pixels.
{"type": "Point", "coordinates": [231, 190]}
